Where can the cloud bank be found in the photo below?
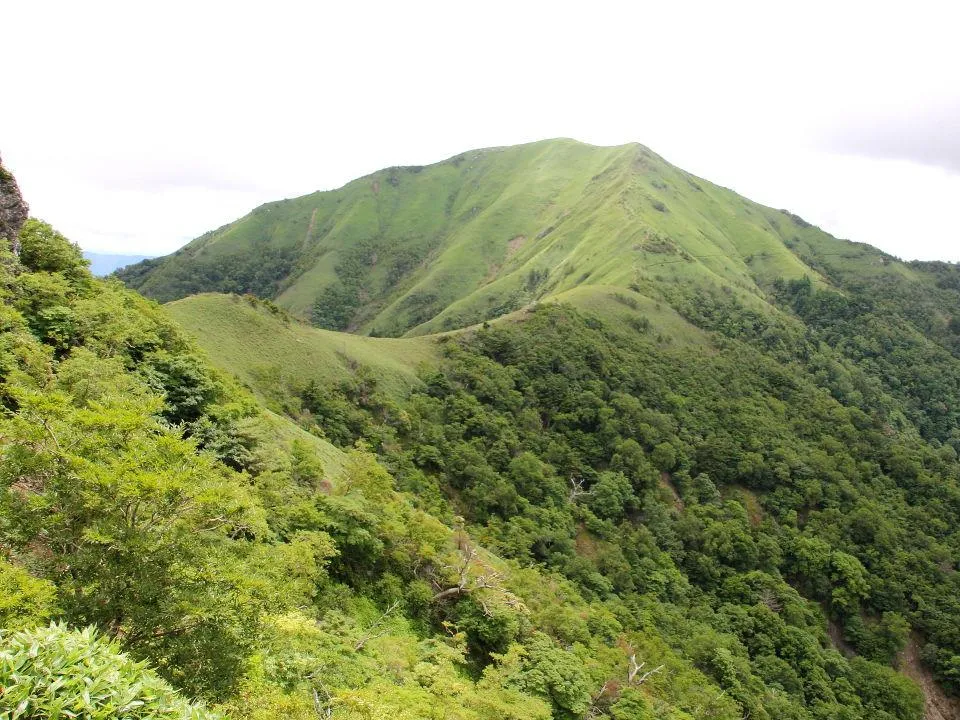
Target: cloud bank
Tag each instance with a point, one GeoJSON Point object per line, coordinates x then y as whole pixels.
{"type": "Point", "coordinates": [140, 127]}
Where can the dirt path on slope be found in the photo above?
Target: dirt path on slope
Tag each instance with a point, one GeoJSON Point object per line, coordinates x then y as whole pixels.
{"type": "Point", "coordinates": [313, 220]}
{"type": "Point", "coordinates": [666, 482]}
{"type": "Point", "coordinates": [836, 637]}
{"type": "Point", "coordinates": [937, 706]}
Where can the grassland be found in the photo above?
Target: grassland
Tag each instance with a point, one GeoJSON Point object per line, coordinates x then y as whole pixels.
{"type": "Point", "coordinates": [264, 350]}
{"type": "Point", "coordinates": [280, 433]}
{"type": "Point", "coordinates": [268, 351]}
{"type": "Point", "coordinates": [421, 250]}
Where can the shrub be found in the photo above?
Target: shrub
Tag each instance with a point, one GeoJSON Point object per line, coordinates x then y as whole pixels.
{"type": "Point", "coordinates": [52, 672]}
{"type": "Point", "coordinates": [24, 599]}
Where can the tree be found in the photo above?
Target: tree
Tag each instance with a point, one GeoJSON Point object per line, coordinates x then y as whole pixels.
{"type": "Point", "coordinates": [128, 520]}
{"type": "Point", "coordinates": [611, 497]}
{"type": "Point", "coordinates": [25, 601]}
{"type": "Point", "coordinates": [849, 579]}
{"type": "Point", "coordinates": [44, 250]}
{"type": "Point", "coordinates": [554, 674]}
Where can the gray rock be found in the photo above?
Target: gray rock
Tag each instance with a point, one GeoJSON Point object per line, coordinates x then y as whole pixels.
{"type": "Point", "coordinates": [13, 210]}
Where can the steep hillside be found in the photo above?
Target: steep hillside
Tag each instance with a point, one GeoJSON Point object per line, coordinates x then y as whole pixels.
{"type": "Point", "coordinates": [157, 522]}
{"type": "Point", "coordinates": [806, 437]}
{"type": "Point", "coordinates": [288, 364]}
{"type": "Point", "coordinates": [253, 565]}
{"type": "Point", "coordinates": [267, 349]}
{"type": "Point", "coordinates": [422, 249]}
{"type": "Point", "coordinates": [641, 489]}
{"type": "Point", "coordinates": [419, 250]}
{"type": "Point", "coordinates": [599, 447]}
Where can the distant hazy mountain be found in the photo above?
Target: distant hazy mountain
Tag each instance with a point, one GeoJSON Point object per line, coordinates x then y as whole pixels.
{"type": "Point", "coordinates": [103, 264]}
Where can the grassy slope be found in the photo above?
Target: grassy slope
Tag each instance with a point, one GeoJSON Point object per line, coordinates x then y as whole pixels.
{"type": "Point", "coordinates": [260, 348]}
{"type": "Point", "coordinates": [619, 307]}
{"type": "Point", "coordinates": [264, 350]}
{"type": "Point", "coordinates": [489, 231]}
{"type": "Point", "coordinates": [587, 218]}
{"type": "Point", "coordinates": [280, 433]}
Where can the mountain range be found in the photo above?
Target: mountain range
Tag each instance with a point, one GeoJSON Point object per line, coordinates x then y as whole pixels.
{"type": "Point", "coordinates": [102, 264]}
{"type": "Point", "coordinates": [545, 431]}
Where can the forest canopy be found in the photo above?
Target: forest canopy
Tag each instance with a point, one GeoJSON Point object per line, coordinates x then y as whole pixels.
{"type": "Point", "coordinates": [663, 499]}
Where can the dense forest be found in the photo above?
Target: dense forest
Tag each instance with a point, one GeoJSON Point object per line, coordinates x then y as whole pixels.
{"type": "Point", "coordinates": [163, 540]}
{"type": "Point", "coordinates": [720, 486]}
{"type": "Point", "coordinates": [666, 500]}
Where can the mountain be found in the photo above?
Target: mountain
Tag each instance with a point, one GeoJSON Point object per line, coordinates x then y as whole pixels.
{"type": "Point", "coordinates": [102, 264]}
{"type": "Point", "coordinates": [419, 249]}
{"type": "Point", "coordinates": [415, 250]}
{"type": "Point", "coordinates": [563, 436]}
{"type": "Point", "coordinates": [666, 484]}
{"type": "Point", "coordinates": [773, 314]}
{"type": "Point", "coordinates": [164, 536]}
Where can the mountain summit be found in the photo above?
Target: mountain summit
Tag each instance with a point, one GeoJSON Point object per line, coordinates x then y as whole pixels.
{"type": "Point", "coordinates": [414, 250]}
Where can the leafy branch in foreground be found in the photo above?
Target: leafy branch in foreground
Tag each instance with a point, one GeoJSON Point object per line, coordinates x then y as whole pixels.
{"type": "Point", "coordinates": [51, 672]}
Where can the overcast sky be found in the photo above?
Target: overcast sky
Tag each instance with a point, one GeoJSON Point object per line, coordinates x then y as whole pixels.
{"type": "Point", "coordinates": [134, 128]}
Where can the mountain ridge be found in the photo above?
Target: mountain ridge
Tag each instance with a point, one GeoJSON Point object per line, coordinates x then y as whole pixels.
{"type": "Point", "coordinates": [420, 249]}
{"type": "Point", "coordinates": [744, 480]}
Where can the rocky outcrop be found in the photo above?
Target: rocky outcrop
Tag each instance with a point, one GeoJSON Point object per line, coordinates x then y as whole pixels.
{"type": "Point", "coordinates": [13, 210]}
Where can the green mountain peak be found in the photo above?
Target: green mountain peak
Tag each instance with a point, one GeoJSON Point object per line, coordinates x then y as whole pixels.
{"type": "Point", "coordinates": [415, 250]}
{"type": "Point", "coordinates": [678, 456]}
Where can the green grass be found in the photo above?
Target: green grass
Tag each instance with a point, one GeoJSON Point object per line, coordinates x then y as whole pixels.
{"type": "Point", "coordinates": [275, 431]}
{"type": "Point", "coordinates": [261, 348]}
{"type": "Point", "coordinates": [267, 352]}
{"type": "Point", "coordinates": [621, 308]}
{"type": "Point", "coordinates": [426, 250]}
{"type": "Point", "coordinates": [487, 232]}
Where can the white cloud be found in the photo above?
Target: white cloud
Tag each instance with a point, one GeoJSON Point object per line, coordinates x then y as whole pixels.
{"type": "Point", "coordinates": [140, 127]}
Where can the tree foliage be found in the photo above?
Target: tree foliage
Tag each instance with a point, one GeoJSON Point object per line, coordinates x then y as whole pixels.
{"type": "Point", "coordinates": [562, 502]}
{"type": "Point", "coordinates": [53, 672]}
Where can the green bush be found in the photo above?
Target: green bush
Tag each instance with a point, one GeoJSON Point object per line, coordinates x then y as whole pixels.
{"type": "Point", "coordinates": [54, 672]}
{"type": "Point", "coordinates": [24, 599]}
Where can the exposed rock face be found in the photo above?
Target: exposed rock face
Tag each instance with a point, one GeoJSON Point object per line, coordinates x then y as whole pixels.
{"type": "Point", "coordinates": [13, 210]}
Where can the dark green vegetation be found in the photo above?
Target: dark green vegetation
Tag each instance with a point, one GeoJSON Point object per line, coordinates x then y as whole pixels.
{"type": "Point", "coordinates": [715, 490]}
{"type": "Point", "coordinates": [252, 565]}
{"type": "Point", "coordinates": [564, 440]}
{"type": "Point", "coordinates": [709, 469]}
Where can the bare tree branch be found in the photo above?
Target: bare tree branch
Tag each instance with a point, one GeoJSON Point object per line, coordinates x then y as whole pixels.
{"type": "Point", "coordinates": [576, 488]}
{"type": "Point", "coordinates": [474, 575]}
{"type": "Point", "coordinates": [323, 708]}
{"type": "Point", "coordinates": [371, 635]}
{"type": "Point", "coordinates": [634, 675]}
